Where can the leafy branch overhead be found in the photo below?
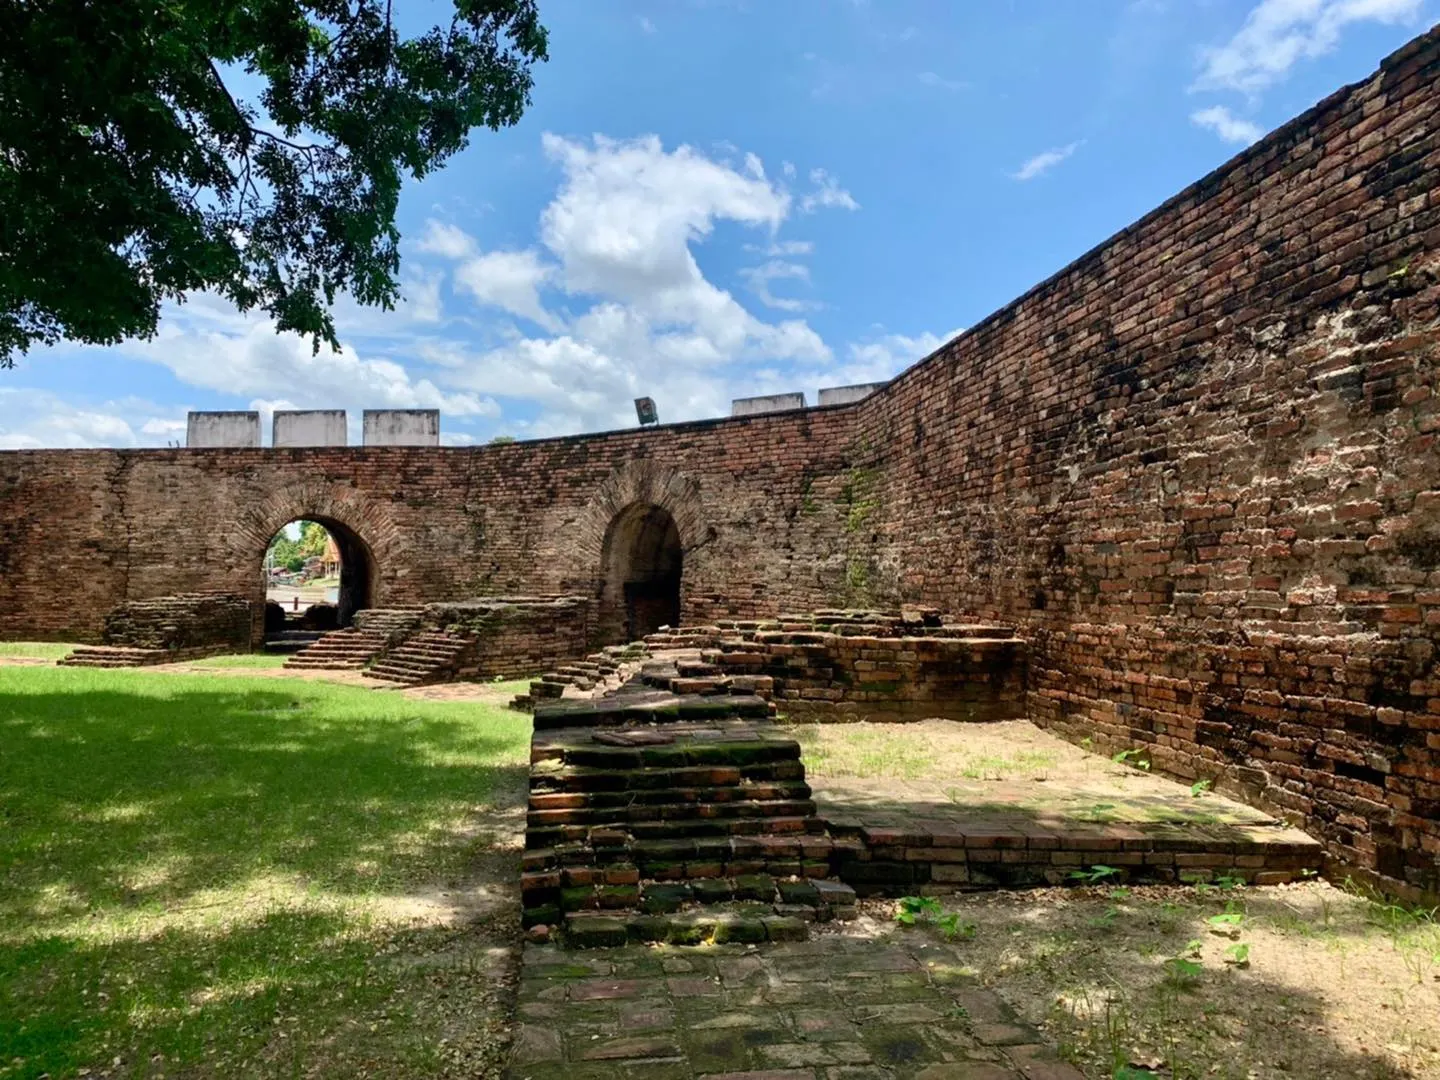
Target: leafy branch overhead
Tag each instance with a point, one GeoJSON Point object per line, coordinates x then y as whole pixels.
{"type": "Point", "coordinates": [132, 173]}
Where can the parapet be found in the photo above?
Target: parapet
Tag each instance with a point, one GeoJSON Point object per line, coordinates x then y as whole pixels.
{"type": "Point", "coordinates": [750, 406]}
{"type": "Point", "coordinates": [845, 395]}
{"type": "Point", "coordinates": [402, 427]}
{"type": "Point", "coordinates": [309, 427]}
{"type": "Point", "coordinates": [222, 429]}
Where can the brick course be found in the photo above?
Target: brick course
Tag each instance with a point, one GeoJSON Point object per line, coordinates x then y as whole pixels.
{"type": "Point", "coordinates": [1196, 469]}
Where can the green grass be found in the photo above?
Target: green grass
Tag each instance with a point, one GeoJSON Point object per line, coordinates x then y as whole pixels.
{"type": "Point", "coordinates": [245, 660]}
{"type": "Point", "coordinates": [44, 650]}
{"type": "Point", "coordinates": [203, 876]}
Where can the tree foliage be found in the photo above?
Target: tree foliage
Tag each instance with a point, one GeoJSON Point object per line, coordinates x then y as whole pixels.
{"type": "Point", "coordinates": [292, 554]}
{"type": "Point", "coordinates": [131, 174]}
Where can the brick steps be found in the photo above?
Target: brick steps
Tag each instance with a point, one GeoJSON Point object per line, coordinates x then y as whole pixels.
{"type": "Point", "coordinates": [114, 656]}
{"type": "Point", "coordinates": [597, 674]}
{"type": "Point", "coordinates": [347, 649]}
{"type": "Point", "coordinates": [657, 828]}
{"type": "Point", "coordinates": [427, 657]}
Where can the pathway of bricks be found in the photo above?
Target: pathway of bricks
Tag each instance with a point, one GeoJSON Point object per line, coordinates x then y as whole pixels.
{"type": "Point", "coordinates": [841, 1006]}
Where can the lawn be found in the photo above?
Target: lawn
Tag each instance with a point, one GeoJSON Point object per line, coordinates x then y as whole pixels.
{"type": "Point", "coordinates": [36, 650]}
{"type": "Point", "coordinates": [244, 660]}
{"type": "Point", "coordinates": [234, 876]}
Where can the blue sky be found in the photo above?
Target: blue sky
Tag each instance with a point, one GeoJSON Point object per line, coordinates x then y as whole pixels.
{"type": "Point", "coordinates": [716, 198]}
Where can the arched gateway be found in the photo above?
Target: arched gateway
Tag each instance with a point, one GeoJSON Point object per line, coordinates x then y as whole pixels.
{"type": "Point", "coordinates": [641, 565]}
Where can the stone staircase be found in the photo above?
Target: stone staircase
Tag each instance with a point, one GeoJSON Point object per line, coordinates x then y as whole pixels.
{"type": "Point", "coordinates": [340, 650]}
{"type": "Point", "coordinates": [115, 656]}
{"type": "Point", "coordinates": [289, 641]}
{"type": "Point", "coordinates": [426, 657]}
{"type": "Point", "coordinates": [680, 818]}
{"type": "Point", "coordinates": [353, 647]}
{"type": "Point", "coordinates": [598, 674]}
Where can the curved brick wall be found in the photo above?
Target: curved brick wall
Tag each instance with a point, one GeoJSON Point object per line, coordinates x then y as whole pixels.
{"type": "Point", "coordinates": [1196, 468]}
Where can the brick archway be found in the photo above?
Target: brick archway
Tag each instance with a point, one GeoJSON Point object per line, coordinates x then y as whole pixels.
{"type": "Point", "coordinates": [364, 535]}
{"type": "Point", "coordinates": [642, 522]}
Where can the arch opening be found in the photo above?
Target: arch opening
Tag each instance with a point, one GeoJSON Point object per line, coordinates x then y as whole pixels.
{"type": "Point", "coordinates": [317, 574]}
{"type": "Point", "coordinates": [641, 561]}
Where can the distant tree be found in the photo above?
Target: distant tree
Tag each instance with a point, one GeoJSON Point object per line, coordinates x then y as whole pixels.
{"type": "Point", "coordinates": [313, 538]}
{"type": "Point", "coordinates": [130, 174]}
{"type": "Point", "coordinates": [502, 440]}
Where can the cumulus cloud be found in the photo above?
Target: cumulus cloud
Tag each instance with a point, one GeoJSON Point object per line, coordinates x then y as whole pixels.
{"type": "Point", "coordinates": [883, 357]}
{"type": "Point", "coordinates": [1279, 33]}
{"type": "Point", "coordinates": [1229, 127]}
{"type": "Point", "coordinates": [1043, 162]}
{"type": "Point", "coordinates": [207, 346]}
{"type": "Point", "coordinates": [609, 303]}
{"type": "Point", "coordinates": [509, 280]}
{"type": "Point", "coordinates": [37, 419]}
{"type": "Point", "coordinates": [446, 240]}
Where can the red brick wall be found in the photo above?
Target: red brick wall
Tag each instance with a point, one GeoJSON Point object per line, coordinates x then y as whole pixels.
{"type": "Point", "coordinates": [1198, 469]}
{"type": "Point", "coordinates": [760, 505]}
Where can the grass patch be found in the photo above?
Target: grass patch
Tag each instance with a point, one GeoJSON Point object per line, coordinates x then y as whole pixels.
{"type": "Point", "coordinates": [883, 750]}
{"type": "Point", "coordinates": [206, 876]}
{"type": "Point", "coordinates": [41, 650]}
{"type": "Point", "coordinates": [244, 660]}
{"type": "Point", "coordinates": [1000, 766]}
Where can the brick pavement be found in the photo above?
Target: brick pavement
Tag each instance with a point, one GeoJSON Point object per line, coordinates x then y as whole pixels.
{"type": "Point", "coordinates": [841, 1006]}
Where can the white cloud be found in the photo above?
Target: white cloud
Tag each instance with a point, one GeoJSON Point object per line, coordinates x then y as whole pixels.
{"type": "Point", "coordinates": [208, 345]}
{"type": "Point", "coordinates": [1043, 162]}
{"type": "Point", "coordinates": [611, 303]}
{"type": "Point", "coordinates": [828, 194]}
{"type": "Point", "coordinates": [884, 357]}
{"type": "Point", "coordinates": [35, 419]}
{"type": "Point", "coordinates": [509, 280]}
{"type": "Point", "coordinates": [939, 82]}
{"type": "Point", "coordinates": [1229, 127]}
{"type": "Point", "coordinates": [1278, 33]}
{"type": "Point", "coordinates": [446, 240]}
{"type": "Point", "coordinates": [760, 277]}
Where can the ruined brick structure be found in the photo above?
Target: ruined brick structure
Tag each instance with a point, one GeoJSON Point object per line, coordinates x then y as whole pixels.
{"type": "Point", "coordinates": [1196, 470]}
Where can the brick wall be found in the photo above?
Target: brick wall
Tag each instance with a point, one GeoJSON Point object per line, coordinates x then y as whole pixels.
{"type": "Point", "coordinates": [1198, 468]}
{"type": "Point", "coordinates": [517, 636]}
{"type": "Point", "coordinates": [202, 621]}
{"type": "Point", "coordinates": [760, 505]}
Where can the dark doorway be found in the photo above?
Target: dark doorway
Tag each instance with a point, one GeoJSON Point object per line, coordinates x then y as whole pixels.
{"type": "Point", "coordinates": [318, 574]}
{"type": "Point", "coordinates": [642, 562]}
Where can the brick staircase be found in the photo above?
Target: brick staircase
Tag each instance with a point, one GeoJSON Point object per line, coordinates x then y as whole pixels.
{"type": "Point", "coordinates": [115, 656]}
{"type": "Point", "coordinates": [427, 657]}
{"type": "Point", "coordinates": [354, 647]}
{"type": "Point", "coordinates": [599, 673]}
{"type": "Point", "coordinates": [681, 818]}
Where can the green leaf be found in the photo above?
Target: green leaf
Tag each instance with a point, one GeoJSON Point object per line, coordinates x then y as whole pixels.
{"type": "Point", "coordinates": [1238, 954]}
{"type": "Point", "coordinates": [1200, 787]}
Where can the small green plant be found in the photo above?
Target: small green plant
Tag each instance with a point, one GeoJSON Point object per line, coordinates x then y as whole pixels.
{"type": "Point", "coordinates": [910, 909]}
{"type": "Point", "coordinates": [1135, 757]}
{"type": "Point", "coordinates": [1226, 925]}
{"type": "Point", "coordinates": [1238, 954]}
{"type": "Point", "coordinates": [1229, 881]}
{"type": "Point", "coordinates": [1095, 874]}
{"type": "Point", "coordinates": [952, 927]}
{"type": "Point", "coordinates": [1185, 967]}
{"type": "Point", "coordinates": [1200, 787]}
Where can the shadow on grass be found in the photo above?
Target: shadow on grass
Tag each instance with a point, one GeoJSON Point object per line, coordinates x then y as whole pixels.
{"type": "Point", "coordinates": [116, 794]}
{"type": "Point", "coordinates": [285, 994]}
{"type": "Point", "coordinates": [1100, 966]}
{"type": "Point", "coordinates": [177, 855]}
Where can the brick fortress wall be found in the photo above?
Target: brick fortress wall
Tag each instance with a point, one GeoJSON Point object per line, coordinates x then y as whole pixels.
{"type": "Point", "coordinates": [1196, 469]}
